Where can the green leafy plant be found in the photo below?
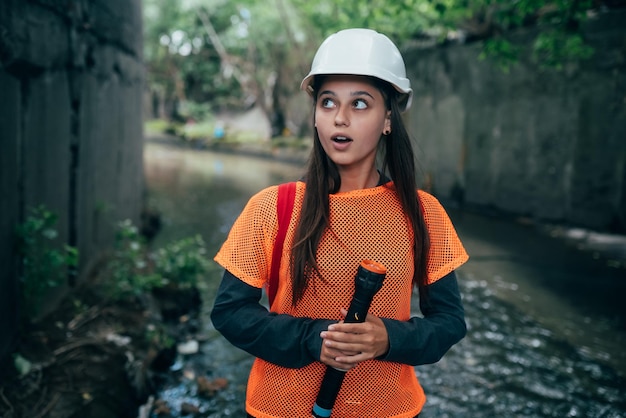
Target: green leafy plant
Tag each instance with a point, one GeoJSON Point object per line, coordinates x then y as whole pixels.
{"type": "Point", "coordinates": [502, 51]}
{"type": "Point", "coordinates": [199, 131]}
{"type": "Point", "coordinates": [129, 272]}
{"type": "Point", "coordinates": [46, 263]}
{"type": "Point", "coordinates": [552, 49]}
{"type": "Point", "coordinates": [182, 262]}
{"type": "Point", "coordinates": [198, 111]}
{"type": "Point", "coordinates": [134, 269]}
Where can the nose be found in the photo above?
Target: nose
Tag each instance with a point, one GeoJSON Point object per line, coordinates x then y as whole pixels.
{"type": "Point", "coordinates": [341, 117]}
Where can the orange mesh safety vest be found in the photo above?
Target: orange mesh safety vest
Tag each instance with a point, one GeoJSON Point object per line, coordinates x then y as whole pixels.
{"type": "Point", "coordinates": [364, 224]}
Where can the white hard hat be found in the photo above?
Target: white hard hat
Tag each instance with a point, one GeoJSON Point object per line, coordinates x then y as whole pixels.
{"type": "Point", "coordinates": [361, 52]}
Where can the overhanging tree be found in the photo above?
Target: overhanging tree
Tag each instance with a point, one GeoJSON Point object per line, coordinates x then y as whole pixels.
{"type": "Point", "coordinates": [237, 54]}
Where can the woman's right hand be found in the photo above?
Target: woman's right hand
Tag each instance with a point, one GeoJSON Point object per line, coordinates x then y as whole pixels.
{"type": "Point", "coordinates": [329, 354]}
{"type": "Point", "coordinates": [346, 345]}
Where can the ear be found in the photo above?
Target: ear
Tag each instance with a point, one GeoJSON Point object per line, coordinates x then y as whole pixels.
{"type": "Point", "coordinates": [387, 124]}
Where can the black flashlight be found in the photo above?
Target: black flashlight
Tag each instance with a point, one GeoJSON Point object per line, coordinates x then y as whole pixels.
{"type": "Point", "coordinates": [368, 281]}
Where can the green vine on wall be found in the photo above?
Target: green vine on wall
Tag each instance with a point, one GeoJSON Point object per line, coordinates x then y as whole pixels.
{"type": "Point", "coordinates": [45, 263]}
{"type": "Point", "coordinates": [554, 48]}
{"type": "Point", "coordinates": [559, 40]}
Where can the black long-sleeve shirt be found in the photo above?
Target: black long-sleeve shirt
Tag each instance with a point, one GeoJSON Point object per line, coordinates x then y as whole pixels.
{"type": "Point", "coordinates": [295, 342]}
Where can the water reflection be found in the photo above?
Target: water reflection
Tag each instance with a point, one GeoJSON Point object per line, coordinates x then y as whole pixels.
{"type": "Point", "coordinates": [509, 365]}
{"type": "Point", "coordinates": [201, 192]}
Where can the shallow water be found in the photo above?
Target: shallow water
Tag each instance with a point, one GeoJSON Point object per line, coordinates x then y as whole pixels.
{"type": "Point", "coordinates": [519, 359]}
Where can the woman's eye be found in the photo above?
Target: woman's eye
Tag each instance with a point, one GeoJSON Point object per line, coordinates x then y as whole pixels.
{"type": "Point", "coordinates": [327, 103]}
{"type": "Point", "coordinates": [360, 104]}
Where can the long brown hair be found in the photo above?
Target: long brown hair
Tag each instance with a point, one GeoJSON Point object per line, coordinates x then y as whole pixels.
{"type": "Point", "coordinates": [322, 178]}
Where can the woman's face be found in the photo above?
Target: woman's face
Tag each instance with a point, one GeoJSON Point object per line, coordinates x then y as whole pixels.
{"type": "Point", "coordinates": [350, 117]}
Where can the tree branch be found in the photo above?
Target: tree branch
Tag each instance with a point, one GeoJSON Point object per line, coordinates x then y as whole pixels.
{"type": "Point", "coordinates": [226, 59]}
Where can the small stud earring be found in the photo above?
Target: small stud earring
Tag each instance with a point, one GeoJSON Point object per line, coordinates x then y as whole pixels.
{"type": "Point", "coordinates": [386, 131]}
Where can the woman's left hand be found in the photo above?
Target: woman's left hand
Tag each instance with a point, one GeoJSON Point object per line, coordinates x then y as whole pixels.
{"type": "Point", "coordinates": [357, 342]}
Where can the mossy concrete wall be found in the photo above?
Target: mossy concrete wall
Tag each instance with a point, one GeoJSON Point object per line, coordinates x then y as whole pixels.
{"type": "Point", "coordinates": [544, 144]}
{"type": "Point", "coordinates": [71, 81]}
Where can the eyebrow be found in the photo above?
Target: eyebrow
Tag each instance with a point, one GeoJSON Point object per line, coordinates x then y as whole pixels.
{"type": "Point", "coordinates": [353, 94]}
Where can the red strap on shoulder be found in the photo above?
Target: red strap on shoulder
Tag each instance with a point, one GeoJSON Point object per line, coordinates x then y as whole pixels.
{"type": "Point", "coordinates": [284, 209]}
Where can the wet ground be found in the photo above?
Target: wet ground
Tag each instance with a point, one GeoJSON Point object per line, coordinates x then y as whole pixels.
{"type": "Point", "coordinates": [543, 304]}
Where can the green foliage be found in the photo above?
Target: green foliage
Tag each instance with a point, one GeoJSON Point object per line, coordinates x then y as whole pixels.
{"type": "Point", "coordinates": [398, 19]}
{"type": "Point", "coordinates": [199, 131]}
{"type": "Point", "coordinates": [552, 49]}
{"type": "Point", "coordinates": [129, 272]}
{"type": "Point", "coordinates": [182, 262]}
{"type": "Point", "coordinates": [196, 111]}
{"type": "Point", "coordinates": [46, 264]}
{"type": "Point", "coordinates": [503, 52]}
{"type": "Point", "coordinates": [260, 47]}
{"type": "Point", "coordinates": [183, 64]}
{"type": "Point", "coordinates": [156, 126]}
{"type": "Point", "coordinates": [134, 269]}
{"type": "Point", "coordinates": [558, 40]}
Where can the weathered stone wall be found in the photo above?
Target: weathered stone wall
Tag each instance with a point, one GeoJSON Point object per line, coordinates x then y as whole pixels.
{"type": "Point", "coordinates": [543, 144]}
{"type": "Point", "coordinates": [71, 77]}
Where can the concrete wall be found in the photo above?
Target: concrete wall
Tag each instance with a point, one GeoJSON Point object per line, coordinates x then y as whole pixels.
{"type": "Point", "coordinates": [71, 79]}
{"type": "Point", "coordinates": [543, 144]}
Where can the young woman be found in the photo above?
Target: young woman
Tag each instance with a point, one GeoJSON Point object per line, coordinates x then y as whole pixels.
{"type": "Point", "coordinates": [346, 210]}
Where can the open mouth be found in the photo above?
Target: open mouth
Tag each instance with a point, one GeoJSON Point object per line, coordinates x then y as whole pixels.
{"type": "Point", "coordinates": [341, 139]}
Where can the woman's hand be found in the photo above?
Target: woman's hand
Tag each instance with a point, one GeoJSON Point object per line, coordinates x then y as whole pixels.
{"type": "Point", "coordinates": [346, 345]}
